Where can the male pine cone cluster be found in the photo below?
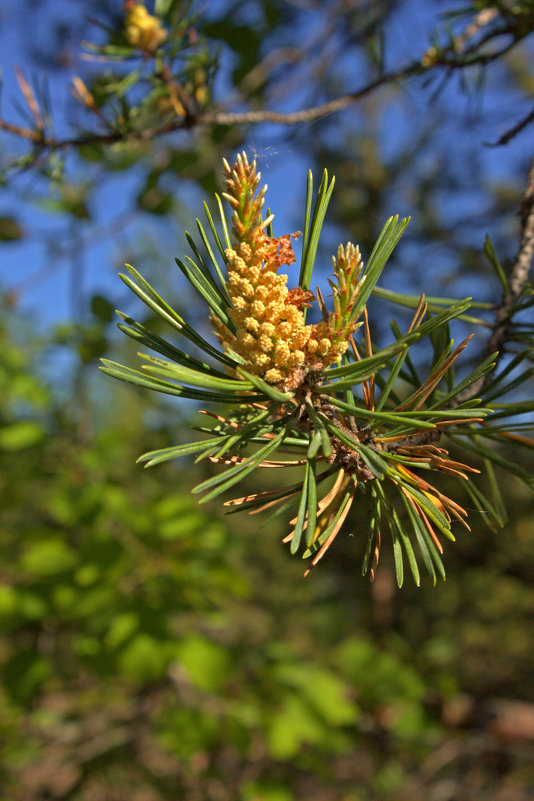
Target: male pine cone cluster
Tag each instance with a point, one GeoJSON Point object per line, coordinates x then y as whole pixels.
{"type": "Point", "coordinates": [271, 334]}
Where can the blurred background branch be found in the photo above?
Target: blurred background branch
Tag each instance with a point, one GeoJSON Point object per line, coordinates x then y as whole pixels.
{"type": "Point", "coordinates": [514, 285]}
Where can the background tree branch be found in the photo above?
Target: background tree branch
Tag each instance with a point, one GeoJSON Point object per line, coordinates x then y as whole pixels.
{"type": "Point", "coordinates": [516, 282]}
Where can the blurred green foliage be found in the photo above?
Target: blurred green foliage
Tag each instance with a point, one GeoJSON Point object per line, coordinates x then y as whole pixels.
{"type": "Point", "coordinates": [150, 650]}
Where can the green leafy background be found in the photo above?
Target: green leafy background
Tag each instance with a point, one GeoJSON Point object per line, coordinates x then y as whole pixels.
{"type": "Point", "coordinates": [154, 650]}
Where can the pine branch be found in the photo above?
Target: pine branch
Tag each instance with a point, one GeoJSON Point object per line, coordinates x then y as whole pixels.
{"type": "Point", "coordinates": [449, 58]}
{"type": "Point", "coordinates": [296, 389]}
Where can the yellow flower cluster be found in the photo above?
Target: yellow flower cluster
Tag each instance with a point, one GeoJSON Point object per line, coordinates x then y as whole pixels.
{"type": "Point", "coordinates": [271, 334]}
{"type": "Point", "coordinates": [270, 331]}
{"type": "Point", "coordinates": [142, 29]}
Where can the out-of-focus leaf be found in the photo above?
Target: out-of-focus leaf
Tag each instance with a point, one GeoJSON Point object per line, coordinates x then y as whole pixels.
{"type": "Point", "coordinates": [10, 229]}
{"type": "Point", "coordinates": [155, 200]}
{"type": "Point", "coordinates": [102, 308]}
{"type": "Point", "coordinates": [23, 434]}
{"type": "Point", "coordinates": [291, 726]}
{"type": "Point", "coordinates": [207, 663]}
{"type": "Point", "coordinates": [144, 659]}
{"type": "Point", "coordinates": [49, 557]}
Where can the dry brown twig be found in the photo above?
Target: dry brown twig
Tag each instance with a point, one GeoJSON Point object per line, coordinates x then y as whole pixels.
{"type": "Point", "coordinates": [29, 97]}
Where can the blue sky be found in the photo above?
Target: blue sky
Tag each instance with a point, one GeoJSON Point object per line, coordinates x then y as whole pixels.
{"type": "Point", "coordinates": [46, 283]}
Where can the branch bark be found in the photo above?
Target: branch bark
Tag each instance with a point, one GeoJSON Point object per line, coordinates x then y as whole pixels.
{"type": "Point", "coordinates": [518, 277]}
